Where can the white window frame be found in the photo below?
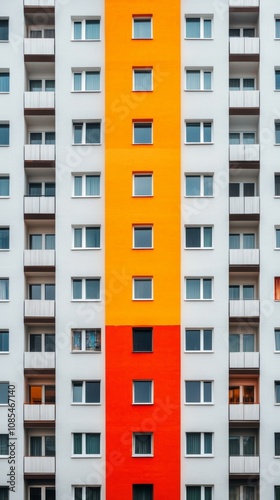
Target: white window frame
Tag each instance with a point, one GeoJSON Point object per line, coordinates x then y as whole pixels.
{"type": "Point", "coordinates": [202, 19]}
{"type": "Point", "coordinates": [3, 71]}
{"type": "Point", "coordinates": [202, 490]}
{"type": "Point", "coordinates": [143, 226]}
{"type": "Point", "coordinates": [43, 440]}
{"type": "Point", "coordinates": [4, 176]}
{"type": "Point", "coordinates": [241, 137]}
{"type": "Point", "coordinates": [241, 340]}
{"type": "Point", "coordinates": [9, 133]}
{"type": "Point", "coordinates": [83, 332]}
{"type": "Point", "coordinates": [83, 72]}
{"type": "Point", "coordinates": [42, 342]}
{"type": "Point", "coordinates": [201, 401]}
{"type": "Point", "coordinates": [84, 488]}
{"type": "Point", "coordinates": [241, 31]}
{"type": "Point", "coordinates": [43, 239]}
{"type": "Point", "coordinates": [43, 290]}
{"type": "Point", "coordinates": [147, 122]}
{"type": "Point", "coordinates": [201, 279]}
{"type": "Point", "coordinates": [8, 20]}
{"type": "Point", "coordinates": [138, 69]}
{"type": "Point", "coordinates": [8, 298]}
{"type": "Point", "coordinates": [6, 249]}
{"type": "Point", "coordinates": [202, 124]}
{"type": "Point", "coordinates": [144, 18]}
{"type": "Point", "coordinates": [83, 21]}
{"type": "Point", "coordinates": [276, 20]}
{"type": "Point", "coordinates": [241, 239]}
{"type": "Point", "coordinates": [277, 68]}
{"type": "Point", "coordinates": [202, 246]}
{"type": "Point", "coordinates": [84, 299]}
{"type": "Point", "coordinates": [202, 443]}
{"type": "Point", "coordinates": [84, 176]}
{"type": "Point", "coordinates": [84, 228]}
{"type": "Point", "coordinates": [84, 124]}
{"type": "Point", "coordinates": [43, 386]}
{"type": "Point", "coordinates": [241, 82]}
{"type": "Point", "coordinates": [84, 402]}
{"type": "Point", "coordinates": [138, 455]}
{"type": "Point", "coordinates": [241, 290]}
{"type": "Point", "coordinates": [84, 454]}
{"type": "Point", "coordinates": [43, 81]}
{"type": "Point", "coordinates": [152, 392]}
{"type": "Point", "coordinates": [43, 489]}
{"type": "Point", "coordinates": [143, 174]}
{"type": "Point", "coordinates": [202, 72]}
{"type": "Point", "coordinates": [201, 195]}
{"type": "Point", "coordinates": [137, 278]}
{"type": "Point", "coordinates": [201, 340]}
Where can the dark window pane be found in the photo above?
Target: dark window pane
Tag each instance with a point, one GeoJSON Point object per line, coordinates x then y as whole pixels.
{"type": "Point", "coordinates": [142, 339]}
{"type": "Point", "coordinates": [4, 29]}
{"type": "Point", "coordinates": [92, 392]}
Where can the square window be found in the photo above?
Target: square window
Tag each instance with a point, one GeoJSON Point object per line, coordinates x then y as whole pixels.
{"type": "Point", "coordinates": [198, 27]}
{"type": "Point", "coordinates": [142, 392]}
{"type": "Point", "coordinates": [277, 344]}
{"type": "Point", "coordinates": [86, 444]}
{"type": "Point", "coordinates": [142, 492]}
{"type": "Point", "coordinates": [142, 339]}
{"type": "Point", "coordinates": [198, 132]}
{"type": "Point", "coordinates": [86, 289]}
{"type": "Point", "coordinates": [199, 185]}
{"type": "Point", "coordinates": [4, 341]}
{"type": "Point", "coordinates": [4, 238]}
{"type": "Point", "coordinates": [86, 340]}
{"type": "Point", "coordinates": [87, 133]}
{"type": "Point", "coordinates": [87, 493]}
{"type": "Point", "coordinates": [4, 81]}
{"type": "Point", "coordinates": [86, 392]}
{"type": "Point", "coordinates": [200, 492]}
{"type": "Point", "coordinates": [86, 29]}
{"type": "Point", "coordinates": [198, 392]}
{"type": "Point", "coordinates": [4, 134]}
{"type": "Point", "coordinates": [142, 443]}
{"type": "Point", "coordinates": [198, 340]}
{"type": "Point", "coordinates": [4, 30]}
{"type": "Point", "coordinates": [142, 133]}
{"type": "Point", "coordinates": [198, 79]}
{"type": "Point", "coordinates": [4, 393]}
{"type": "Point", "coordinates": [142, 81]}
{"type": "Point", "coordinates": [199, 288]}
{"type": "Point", "coordinates": [4, 289]}
{"type": "Point", "coordinates": [4, 185]}
{"type": "Point", "coordinates": [142, 288]}
{"type": "Point", "coordinates": [142, 237]}
{"type": "Point", "coordinates": [277, 391]}
{"type": "Point", "coordinates": [199, 443]}
{"type": "Point", "coordinates": [198, 237]}
{"type": "Point", "coordinates": [142, 28]}
{"type": "Point", "coordinates": [142, 185]}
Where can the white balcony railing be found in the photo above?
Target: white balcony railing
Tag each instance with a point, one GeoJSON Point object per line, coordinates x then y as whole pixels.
{"type": "Point", "coordinates": [39, 3]}
{"type": "Point", "coordinates": [244, 360]}
{"type": "Point", "coordinates": [39, 360]}
{"type": "Point", "coordinates": [244, 99]}
{"type": "Point", "coordinates": [244, 257]}
{"type": "Point", "coordinates": [39, 152]}
{"type": "Point", "coordinates": [244, 465]}
{"type": "Point", "coordinates": [39, 204]}
{"type": "Point", "coordinates": [39, 46]}
{"type": "Point", "coordinates": [39, 257]}
{"type": "Point", "coordinates": [39, 100]}
{"type": "Point", "coordinates": [44, 412]}
{"type": "Point", "coordinates": [244, 205]}
{"type": "Point", "coordinates": [39, 465]}
{"type": "Point", "coordinates": [244, 152]}
{"type": "Point", "coordinates": [244, 3]}
{"type": "Point", "coordinates": [244, 45]}
{"type": "Point", "coordinates": [244, 412]}
{"type": "Point", "coordinates": [39, 308]}
{"type": "Point", "coordinates": [244, 308]}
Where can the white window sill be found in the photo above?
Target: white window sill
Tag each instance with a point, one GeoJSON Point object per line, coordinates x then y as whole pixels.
{"type": "Point", "coordinates": [85, 352]}
{"type": "Point", "coordinates": [197, 196]}
{"type": "Point", "coordinates": [86, 404]}
{"type": "Point", "coordinates": [141, 38]}
{"type": "Point", "coordinates": [85, 91]}
{"type": "Point", "coordinates": [4, 41]}
{"type": "Point", "coordinates": [86, 144]}
{"type": "Point", "coordinates": [142, 248]}
{"type": "Point", "coordinates": [143, 300]}
{"type": "Point", "coordinates": [200, 404]}
{"type": "Point", "coordinates": [198, 300]}
{"type": "Point", "coordinates": [86, 40]}
{"type": "Point", "coordinates": [4, 197]}
{"type": "Point", "coordinates": [142, 144]}
{"type": "Point", "coordinates": [144, 456]}
{"type": "Point", "coordinates": [198, 90]}
{"type": "Point", "coordinates": [198, 143]}
{"type": "Point", "coordinates": [81, 197]}
{"type": "Point", "coordinates": [199, 352]}
{"type": "Point", "coordinates": [86, 300]}
{"type": "Point", "coordinates": [4, 456]}
{"type": "Point", "coordinates": [4, 352]}
{"type": "Point", "coordinates": [4, 249]}
{"type": "Point", "coordinates": [4, 92]}
{"type": "Point", "coordinates": [200, 456]}
{"type": "Point", "coordinates": [142, 404]}
{"type": "Point", "coordinates": [198, 248]}
{"type": "Point", "coordinates": [146, 90]}
{"type": "Point", "coordinates": [193, 38]}
{"type": "Point", "coordinates": [142, 196]}
{"type": "Point", "coordinates": [90, 248]}
{"type": "Point", "coordinates": [86, 456]}
{"type": "Point", "coordinates": [5, 300]}
{"type": "Point", "coordinates": [4, 145]}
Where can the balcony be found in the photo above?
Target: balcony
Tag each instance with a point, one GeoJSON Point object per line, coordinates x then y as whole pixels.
{"type": "Point", "coordinates": [39, 260]}
{"type": "Point", "coordinates": [39, 103]}
{"type": "Point", "coordinates": [244, 49]}
{"type": "Point", "coordinates": [244, 102]}
{"type": "Point", "coordinates": [38, 3]}
{"type": "Point", "coordinates": [244, 360]}
{"type": "Point", "coordinates": [247, 5]}
{"type": "Point", "coordinates": [39, 465]}
{"type": "Point", "coordinates": [39, 155]}
{"type": "Point", "coordinates": [244, 208]}
{"type": "Point", "coordinates": [39, 50]}
{"type": "Point", "coordinates": [39, 311]}
{"type": "Point", "coordinates": [244, 257]}
{"type": "Point", "coordinates": [244, 308]}
{"type": "Point", "coordinates": [39, 413]}
{"type": "Point", "coordinates": [39, 360]}
{"type": "Point", "coordinates": [247, 412]}
{"type": "Point", "coordinates": [39, 207]}
{"type": "Point", "coordinates": [244, 152]}
{"type": "Point", "coordinates": [244, 465]}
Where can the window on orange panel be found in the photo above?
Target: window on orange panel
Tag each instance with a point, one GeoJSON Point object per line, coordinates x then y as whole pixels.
{"type": "Point", "coordinates": [142, 132]}
{"type": "Point", "coordinates": [277, 288]}
{"type": "Point", "coordinates": [142, 28]}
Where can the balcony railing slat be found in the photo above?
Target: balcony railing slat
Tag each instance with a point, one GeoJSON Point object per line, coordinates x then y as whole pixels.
{"type": "Point", "coordinates": [244, 205]}
{"type": "Point", "coordinates": [39, 257]}
{"type": "Point", "coordinates": [39, 46]}
{"type": "Point", "coordinates": [244, 45]}
{"type": "Point", "coordinates": [39, 360]}
{"type": "Point", "coordinates": [244, 465]}
{"type": "Point", "coordinates": [39, 100]}
{"type": "Point", "coordinates": [39, 308]}
{"type": "Point", "coordinates": [39, 3]}
{"type": "Point", "coordinates": [243, 3]}
{"type": "Point", "coordinates": [39, 412]}
{"type": "Point", "coordinates": [39, 465]}
{"type": "Point", "coordinates": [244, 152]}
{"type": "Point", "coordinates": [244, 308]}
{"type": "Point", "coordinates": [39, 204]}
{"type": "Point", "coordinates": [37, 152]}
{"type": "Point", "coordinates": [246, 256]}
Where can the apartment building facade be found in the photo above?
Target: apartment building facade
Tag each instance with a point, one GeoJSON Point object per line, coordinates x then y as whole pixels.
{"type": "Point", "coordinates": [139, 239]}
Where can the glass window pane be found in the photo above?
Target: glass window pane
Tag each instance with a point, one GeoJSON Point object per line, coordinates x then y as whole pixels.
{"type": "Point", "coordinates": [93, 340]}
{"type": "Point", "coordinates": [277, 340]}
{"type": "Point", "coordinates": [193, 493]}
{"type": "Point", "coordinates": [207, 237]}
{"type": "Point", "coordinates": [143, 289]}
{"type": "Point", "coordinates": [277, 28]}
{"type": "Point", "coordinates": [234, 446]}
{"type": "Point", "coordinates": [77, 30]}
{"type": "Point", "coordinates": [249, 445]}
{"type": "Point", "coordinates": [207, 390]}
{"type": "Point", "coordinates": [35, 242]}
{"type": "Point", "coordinates": [78, 133]}
{"type": "Point", "coordinates": [35, 494]}
{"type": "Point", "coordinates": [4, 29]}
{"type": "Point", "coordinates": [143, 444]}
{"type": "Point", "coordinates": [4, 82]}
{"type": "Point", "coordinates": [50, 394]}
{"type": "Point", "coordinates": [249, 138]}
{"type": "Point", "coordinates": [193, 27]}
{"type": "Point", "coordinates": [78, 493]}
{"type": "Point", "coordinates": [192, 185]}
{"type": "Point", "coordinates": [234, 84]}
{"type": "Point", "coordinates": [234, 138]}
{"type": "Point", "coordinates": [50, 138]}
{"type": "Point", "coordinates": [193, 443]}
{"type": "Point", "coordinates": [142, 339]}
{"type": "Point", "coordinates": [77, 81]}
{"type": "Point", "coordinates": [248, 292]}
{"type": "Point", "coordinates": [234, 241]}
{"type": "Point", "coordinates": [234, 189]}
{"type": "Point", "coordinates": [93, 444]}
{"type": "Point", "coordinates": [248, 32]}
{"type": "Point", "coordinates": [277, 392]}
{"type": "Point", "coordinates": [49, 189]}
{"type": "Point", "coordinates": [4, 341]}
{"type": "Point", "coordinates": [77, 289]}
{"type": "Point", "coordinates": [92, 185]}
{"type": "Point", "coordinates": [193, 132]}
{"type": "Point", "coordinates": [4, 238]}
{"type": "Point", "coordinates": [50, 446]}
{"type": "Point", "coordinates": [234, 292]}
{"type": "Point", "coordinates": [4, 393]}
{"type": "Point", "coordinates": [143, 185]}
{"type": "Point", "coordinates": [276, 491]}
{"type": "Point", "coordinates": [50, 242]}
{"type": "Point", "coordinates": [76, 340]}
{"type": "Point", "coordinates": [234, 342]}
{"type": "Point", "coordinates": [207, 289]}
{"type": "Point", "coordinates": [249, 241]}
{"type": "Point", "coordinates": [193, 237]}
{"type": "Point", "coordinates": [207, 28]}
{"type": "Point", "coordinates": [207, 80]}
{"type": "Point", "coordinates": [248, 342]}
{"type": "Point", "coordinates": [4, 186]}
{"type": "Point", "coordinates": [142, 80]}
{"type": "Point", "coordinates": [93, 29]}
{"type": "Point", "coordinates": [78, 237]}
{"type": "Point", "coordinates": [142, 133]}
{"type": "Point", "coordinates": [92, 80]}
{"type": "Point", "coordinates": [207, 443]}
{"type": "Point", "coordinates": [142, 28]}
{"type": "Point", "coordinates": [193, 80]}
{"type": "Point", "coordinates": [207, 132]}
{"type": "Point", "coordinates": [4, 134]}
{"type": "Point", "coordinates": [35, 137]}
{"type": "Point", "coordinates": [36, 343]}
{"type": "Point", "coordinates": [208, 185]}
{"type": "Point", "coordinates": [35, 292]}
{"type": "Point", "coordinates": [234, 32]}
{"type": "Point", "coordinates": [92, 392]}
{"type": "Point", "coordinates": [193, 340]}
{"type": "Point", "coordinates": [93, 133]}
{"type": "Point", "coordinates": [207, 340]}
{"type": "Point", "coordinates": [49, 85]}
{"type": "Point", "coordinates": [248, 83]}
{"type": "Point", "coordinates": [277, 79]}
{"type": "Point", "coordinates": [78, 440]}
{"type": "Point", "coordinates": [4, 289]}
{"type": "Point", "coordinates": [142, 391]}
{"type": "Point", "coordinates": [35, 446]}
{"type": "Point", "coordinates": [77, 392]}
{"type": "Point", "coordinates": [92, 289]}
{"type": "Point", "coordinates": [277, 185]}
{"type": "Point", "coordinates": [78, 185]}
{"type": "Point", "coordinates": [193, 289]}
{"type": "Point", "coordinates": [92, 237]}
{"type": "Point", "coordinates": [35, 85]}
{"type": "Point", "coordinates": [50, 292]}
{"type": "Point", "coordinates": [192, 391]}
{"type": "Point", "coordinates": [49, 342]}
{"type": "Point", "coordinates": [142, 237]}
